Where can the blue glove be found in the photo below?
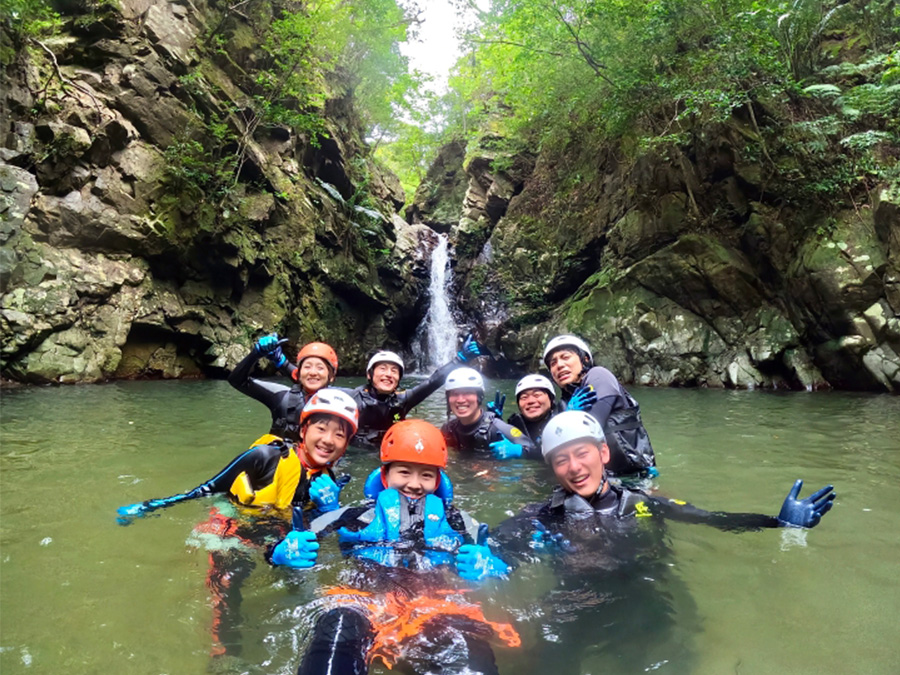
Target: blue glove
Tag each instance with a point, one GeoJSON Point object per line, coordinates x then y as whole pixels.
{"type": "Point", "coordinates": [387, 556]}
{"type": "Point", "coordinates": [374, 485]}
{"type": "Point", "coordinates": [128, 513]}
{"type": "Point", "coordinates": [496, 406]}
{"type": "Point", "coordinates": [543, 540]}
{"type": "Point", "coordinates": [437, 531]}
{"type": "Point", "coordinates": [470, 349]}
{"type": "Point", "coordinates": [385, 525]}
{"type": "Point", "coordinates": [445, 489]}
{"type": "Point", "coordinates": [583, 399]}
{"type": "Point", "coordinates": [266, 344]}
{"type": "Point", "coordinates": [325, 493]}
{"type": "Point", "coordinates": [297, 549]}
{"type": "Point", "coordinates": [806, 512]}
{"type": "Point", "coordinates": [474, 562]}
{"type": "Point", "coordinates": [277, 357]}
{"type": "Point", "coordinates": [505, 449]}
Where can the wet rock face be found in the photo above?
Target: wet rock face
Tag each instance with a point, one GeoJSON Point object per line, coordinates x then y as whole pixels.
{"type": "Point", "coordinates": [764, 293]}
{"type": "Point", "coordinates": [109, 269]}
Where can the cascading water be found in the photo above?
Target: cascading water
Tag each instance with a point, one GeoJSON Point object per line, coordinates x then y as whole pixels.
{"type": "Point", "coordinates": [436, 337]}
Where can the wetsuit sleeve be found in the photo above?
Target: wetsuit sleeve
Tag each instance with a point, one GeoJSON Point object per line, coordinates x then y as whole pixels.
{"type": "Point", "coordinates": [413, 397]}
{"type": "Point", "coordinates": [675, 509]}
{"type": "Point", "coordinates": [267, 393]}
{"type": "Point", "coordinates": [608, 390]}
{"type": "Point", "coordinates": [256, 461]}
{"type": "Point", "coordinates": [289, 370]}
{"type": "Point", "coordinates": [515, 435]}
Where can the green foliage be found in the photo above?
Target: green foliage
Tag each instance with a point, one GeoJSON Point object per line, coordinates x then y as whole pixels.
{"type": "Point", "coordinates": [21, 20]}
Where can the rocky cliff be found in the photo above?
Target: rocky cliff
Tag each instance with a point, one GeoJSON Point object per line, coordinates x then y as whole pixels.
{"type": "Point", "coordinates": [150, 228]}
{"type": "Point", "coordinates": [699, 269]}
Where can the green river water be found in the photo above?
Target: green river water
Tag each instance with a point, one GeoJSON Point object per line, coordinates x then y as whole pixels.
{"type": "Point", "coordinates": [81, 594]}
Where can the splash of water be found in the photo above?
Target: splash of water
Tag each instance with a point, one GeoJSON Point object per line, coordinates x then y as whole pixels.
{"type": "Point", "coordinates": [436, 336]}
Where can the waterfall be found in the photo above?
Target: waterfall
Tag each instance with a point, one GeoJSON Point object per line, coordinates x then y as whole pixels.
{"type": "Point", "coordinates": [435, 341]}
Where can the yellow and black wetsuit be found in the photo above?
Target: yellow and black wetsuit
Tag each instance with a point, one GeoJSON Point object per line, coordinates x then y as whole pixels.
{"type": "Point", "coordinates": [268, 474]}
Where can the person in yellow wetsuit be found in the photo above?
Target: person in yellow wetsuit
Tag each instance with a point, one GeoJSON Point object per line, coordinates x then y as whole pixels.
{"type": "Point", "coordinates": [277, 473]}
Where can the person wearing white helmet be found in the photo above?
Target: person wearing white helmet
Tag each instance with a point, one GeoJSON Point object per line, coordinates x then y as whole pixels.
{"type": "Point", "coordinates": [473, 429]}
{"type": "Point", "coordinates": [608, 546]}
{"type": "Point", "coordinates": [537, 403]}
{"type": "Point", "coordinates": [382, 403]}
{"type": "Point", "coordinates": [575, 447]}
{"type": "Point", "coordinates": [595, 389]}
{"type": "Point", "coordinates": [278, 473]}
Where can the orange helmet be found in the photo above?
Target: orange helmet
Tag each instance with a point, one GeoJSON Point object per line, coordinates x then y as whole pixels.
{"type": "Point", "coordinates": [323, 351]}
{"type": "Point", "coordinates": [414, 441]}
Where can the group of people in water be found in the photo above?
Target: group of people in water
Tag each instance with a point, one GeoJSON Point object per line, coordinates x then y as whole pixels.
{"type": "Point", "coordinates": [591, 436]}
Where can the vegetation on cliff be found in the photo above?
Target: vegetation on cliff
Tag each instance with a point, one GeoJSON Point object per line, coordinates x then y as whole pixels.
{"type": "Point", "coordinates": [713, 199]}
{"type": "Point", "coordinates": [186, 176]}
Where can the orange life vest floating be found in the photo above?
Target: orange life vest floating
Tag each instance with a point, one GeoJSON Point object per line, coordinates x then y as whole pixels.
{"type": "Point", "coordinates": [396, 617]}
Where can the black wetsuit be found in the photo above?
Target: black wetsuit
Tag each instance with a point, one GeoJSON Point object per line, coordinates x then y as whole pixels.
{"type": "Point", "coordinates": [534, 429]}
{"type": "Point", "coordinates": [617, 600]}
{"type": "Point", "coordinates": [284, 402]}
{"type": "Point", "coordinates": [377, 412]}
{"type": "Point", "coordinates": [619, 414]}
{"type": "Point", "coordinates": [489, 428]}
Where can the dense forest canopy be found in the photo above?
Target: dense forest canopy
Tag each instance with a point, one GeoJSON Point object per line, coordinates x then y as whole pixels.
{"type": "Point", "coordinates": [538, 72]}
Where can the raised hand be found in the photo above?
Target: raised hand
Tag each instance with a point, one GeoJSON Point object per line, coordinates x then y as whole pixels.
{"type": "Point", "coordinates": [505, 449]}
{"type": "Point", "coordinates": [471, 349]}
{"type": "Point", "coordinates": [496, 406]}
{"type": "Point", "coordinates": [806, 512]}
{"type": "Point", "coordinates": [325, 493]}
{"type": "Point", "coordinates": [475, 562]}
{"type": "Point", "coordinates": [297, 549]}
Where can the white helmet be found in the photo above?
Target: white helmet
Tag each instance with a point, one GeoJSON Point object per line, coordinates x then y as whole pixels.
{"type": "Point", "coordinates": [331, 401]}
{"type": "Point", "coordinates": [535, 382]}
{"type": "Point", "coordinates": [385, 357]}
{"type": "Point", "coordinates": [567, 341]}
{"type": "Point", "coordinates": [568, 426]}
{"type": "Point", "coordinates": [464, 378]}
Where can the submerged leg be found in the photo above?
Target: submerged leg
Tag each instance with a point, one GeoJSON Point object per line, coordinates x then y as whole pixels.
{"type": "Point", "coordinates": [339, 644]}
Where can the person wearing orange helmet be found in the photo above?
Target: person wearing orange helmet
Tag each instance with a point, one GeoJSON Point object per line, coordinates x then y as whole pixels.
{"type": "Point", "coordinates": [281, 474]}
{"type": "Point", "coordinates": [410, 531]}
{"type": "Point", "coordinates": [317, 365]}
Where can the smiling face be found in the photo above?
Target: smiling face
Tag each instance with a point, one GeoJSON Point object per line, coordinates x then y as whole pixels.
{"type": "Point", "coordinates": [534, 403]}
{"type": "Point", "coordinates": [324, 440]}
{"type": "Point", "coordinates": [314, 374]}
{"type": "Point", "coordinates": [412, 480]}
{"type": "Point", "coordinates": [385, 377]}
{"type": "Point", "coordinates": [578, 466]}
{"type": "Point", "coordinates": [565, 366]}
{"type": "Point", "coordinates": [464, 404]}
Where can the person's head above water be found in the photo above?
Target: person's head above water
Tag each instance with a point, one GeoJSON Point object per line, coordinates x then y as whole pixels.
{"type": "Point", "coordinates": [567, 357]}
{"type": "Point", "coordinates": [413, 453]}
{"type": "Point", "coordinates": [534, 396]}
{"type": "Point", "coordinates": [327, 423]}
{"type": "Point", "coordinates": [384, 371]}
{"type": "Point", "coordinates": [465, 392]}
{"type": "Point", "coordinates": [317, 365]}
{"type": "Point", "coordinates": [575, 447]}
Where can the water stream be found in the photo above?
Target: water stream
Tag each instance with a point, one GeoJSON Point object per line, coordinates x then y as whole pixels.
{"type": "Point", "coordinates": [435, 341]}
{"type": "Point", "coordinates": [81, 594]}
